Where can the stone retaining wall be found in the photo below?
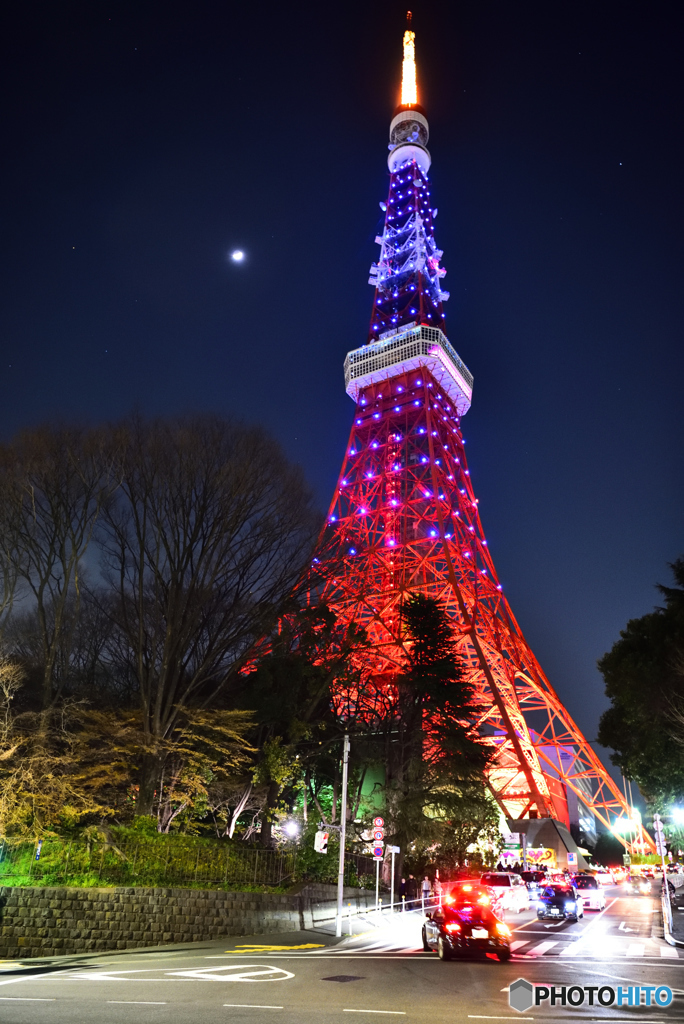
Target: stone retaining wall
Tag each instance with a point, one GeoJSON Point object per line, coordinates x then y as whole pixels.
{"type": "Point", "coordinates": [37, 921]}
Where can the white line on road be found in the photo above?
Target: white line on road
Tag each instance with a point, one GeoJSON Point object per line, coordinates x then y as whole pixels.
{"type": "Point", "coordinates": [136, 1002]}
{"type": "Point", "coordinates": [253, 1006]}
{"type": "Point", "coordinates": [669, 952]}
{"type": "Point", "coordinates": [541, 948]}
{"type": "Point", "coordinates": [635, 949]}
{"type": "Point", "coordinates": [398, 1013]}
{"type": "Point", "coordinates": [25, 999]}
{"type": "Point", "coordinates": [518, 943]}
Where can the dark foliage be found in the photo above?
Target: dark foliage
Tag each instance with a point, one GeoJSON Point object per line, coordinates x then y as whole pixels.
{"type": "Point", "coordinates": [644, 676]}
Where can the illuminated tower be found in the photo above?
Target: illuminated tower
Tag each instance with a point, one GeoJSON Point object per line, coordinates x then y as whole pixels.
{"type": "Point", "coordinates": [405, 518]}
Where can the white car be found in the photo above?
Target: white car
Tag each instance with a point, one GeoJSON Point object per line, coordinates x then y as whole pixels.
{"type": "Point", "coordinates": [604, 878]}
{"type": "Point", "coordinates": [591, 893]}
{"type": "Point", "coordinates": [510, 887]}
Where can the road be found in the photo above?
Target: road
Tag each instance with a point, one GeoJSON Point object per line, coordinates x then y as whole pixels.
{"type": "Point", "coordinates": [380, 973]}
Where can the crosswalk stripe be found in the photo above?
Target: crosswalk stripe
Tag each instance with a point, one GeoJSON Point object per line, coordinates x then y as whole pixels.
{"type": "Point", "coordinates": [542, 948]}
{"type": "Point", "coordinates": [519, 943]}
{"type": "Point", "coordinates": [635, 949]}
{"type": "Point", "coordinates": [574, 949]}
{"type": "Point", "coordinates": [669, 952]}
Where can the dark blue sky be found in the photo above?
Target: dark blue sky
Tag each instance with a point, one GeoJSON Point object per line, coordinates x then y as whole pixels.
{"type": "Point", "coordinates": [144, 141]}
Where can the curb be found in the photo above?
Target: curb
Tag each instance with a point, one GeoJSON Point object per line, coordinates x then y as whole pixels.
{"type": "Point", "coordinates": [667, 931]}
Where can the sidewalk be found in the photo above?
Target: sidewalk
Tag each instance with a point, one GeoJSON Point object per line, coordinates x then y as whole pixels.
{"type": "Point", "coordinates": [252, 944]}
{"type": "Point", "coordinates": [675, 934]}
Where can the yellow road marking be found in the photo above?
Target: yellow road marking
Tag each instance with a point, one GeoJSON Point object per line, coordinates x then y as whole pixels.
{"type": "Point", "coordinates": [265, 949]}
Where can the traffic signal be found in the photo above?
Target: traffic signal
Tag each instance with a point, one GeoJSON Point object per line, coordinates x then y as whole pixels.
{"type": "Point", "coordinates": [321, 842]}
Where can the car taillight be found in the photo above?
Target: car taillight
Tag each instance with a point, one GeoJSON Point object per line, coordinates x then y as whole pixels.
{"type": "Point", "coordinates": [453, 927]}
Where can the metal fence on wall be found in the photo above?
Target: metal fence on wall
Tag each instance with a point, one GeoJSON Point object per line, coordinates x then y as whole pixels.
{"type": "Point", "coordinates": [144, 863]}
{"type": "Point", "coordinates": [150, 862]}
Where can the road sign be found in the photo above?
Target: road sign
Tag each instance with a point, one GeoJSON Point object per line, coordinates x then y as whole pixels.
{"type": "Point", "coordinates": [393, 849]}
{"type": "Point", "coordinates": [572, 859]}
{"type": "Point", "coordinates": [321, 842]}
{"type": "Point", "coordinates": [626, 859]}
{"type": "Point", "coordinates": [378, 838]}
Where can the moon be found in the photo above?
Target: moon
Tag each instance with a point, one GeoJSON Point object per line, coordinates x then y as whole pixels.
{"type": "Point", "coordinates": [237, 256]}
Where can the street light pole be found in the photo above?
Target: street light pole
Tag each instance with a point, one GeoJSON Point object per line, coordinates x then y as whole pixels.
{"type": "Point", "coordinates": [343, 835]}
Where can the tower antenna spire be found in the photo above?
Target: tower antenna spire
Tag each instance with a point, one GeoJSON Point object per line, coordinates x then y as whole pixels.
{"type": "Point", "coordinates": [409, 90]}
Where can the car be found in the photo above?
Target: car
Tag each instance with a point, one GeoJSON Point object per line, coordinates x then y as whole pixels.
{"type": "Point", "coordinates": [560, 902]}
{"type": "Point", "coordinates": [534, 880]}
{"type": "Point", "coordinates": [486, 895]}
{"type": "Point", "coordinates": [593, 896]}
{"type": "Point", "coordinates": [466, 925]}
{"type": "Point", "coordinates": [638, 885]}
{"type": "Point", "coordinates": [604, 877]}
{"type": "Point", "coordinates": [510, 887]}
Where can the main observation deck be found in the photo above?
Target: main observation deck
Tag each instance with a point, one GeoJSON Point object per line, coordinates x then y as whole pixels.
{"type": "Point", "coordinates": [404, 350]}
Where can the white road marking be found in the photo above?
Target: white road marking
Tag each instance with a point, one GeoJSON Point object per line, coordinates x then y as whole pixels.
{"type": "Point", "coordinates": [541, 948]}
{"type": "Point", "coordinates": [669, 952]}
{"type": "Point", "coordinates": [398, 1013]}
{"type": "Point", "coordinates": [518, 943]}
{"type": "Point", "coordinates": [136, 1002]}
{"type": "Point", "coordinates": [25, 999]}
{"type": "Point", "coordinates": [253, 1006]}
{"type": "Point", "coordinates": [635, 949]}
{"type": "Point", "coordinates": [237, 972]}
{"type": "Point", "coordinates": [479, 1016]}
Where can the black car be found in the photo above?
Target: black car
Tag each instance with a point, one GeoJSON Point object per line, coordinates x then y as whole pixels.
{"type": "Point", "coordinates": [466, 927]}
{"type": "Point", "coordinates": [534, 880]}
{"type": "Point", "coordinates": [638, 885]}
{"type": "Point", "coordinates": [559, 902]}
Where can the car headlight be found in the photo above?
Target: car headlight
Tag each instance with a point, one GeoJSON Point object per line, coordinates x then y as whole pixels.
{"type": "Point", "coordinates": [503, 929]}
{"type": "Point", "coordinates": [570, 905]}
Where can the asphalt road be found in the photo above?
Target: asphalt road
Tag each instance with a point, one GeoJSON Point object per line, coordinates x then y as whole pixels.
{"type": "Point", "coordinates": [380, 973]}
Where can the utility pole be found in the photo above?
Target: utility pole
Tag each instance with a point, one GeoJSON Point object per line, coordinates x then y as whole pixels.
{"type": "Point", "coordinates": [343, 836]}
{"type": "Point", "coordinates": [660, 846]}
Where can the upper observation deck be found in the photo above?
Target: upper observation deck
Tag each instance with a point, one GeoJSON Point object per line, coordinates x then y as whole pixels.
{"type": "Point", "coordinates": [406, 349]}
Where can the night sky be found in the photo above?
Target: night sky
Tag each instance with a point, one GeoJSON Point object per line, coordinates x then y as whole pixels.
{"type": "Point", "coordinates": [144, 141]}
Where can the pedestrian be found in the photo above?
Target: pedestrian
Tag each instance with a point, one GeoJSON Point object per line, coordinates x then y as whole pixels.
{"type": "Point", "coordinates": [402, 888]}
{"type": "Point", "coordinates": [425, 887]}
{"type": "Point", "coordinates": [411, 889]}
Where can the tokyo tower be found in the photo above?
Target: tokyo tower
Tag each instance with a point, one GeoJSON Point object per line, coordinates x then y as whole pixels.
{"type": "Point", "coordinates": [405, 519]}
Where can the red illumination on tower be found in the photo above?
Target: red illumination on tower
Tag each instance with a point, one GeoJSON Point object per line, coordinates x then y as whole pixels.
{"type": "Point", "coordinates": [405, 518]}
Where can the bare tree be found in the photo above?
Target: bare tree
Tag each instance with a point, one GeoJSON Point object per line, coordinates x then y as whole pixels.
{"type": "Point", "coordinates": [207, 534]}
{"type": "Point", "coordinates": [55, 481]}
